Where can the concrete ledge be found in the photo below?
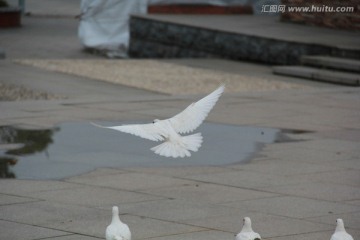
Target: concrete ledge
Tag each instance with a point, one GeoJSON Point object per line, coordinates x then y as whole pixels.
{"type": "Point", "coordinates": [174, 37]}
{"type": "Point", "coordinates": [319, 75]}
{"type": "Point", "coordinates": [332, 62]}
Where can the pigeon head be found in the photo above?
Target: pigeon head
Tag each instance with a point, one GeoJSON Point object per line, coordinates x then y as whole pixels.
{"type": "Point", "coordinates": [115, 210]}
{"type": "Point", "coordinates": [339, 225]}
{"type": "Point", "coordinates": [247, 224]}
{"type": "Point", "coordinates": [115, 215]}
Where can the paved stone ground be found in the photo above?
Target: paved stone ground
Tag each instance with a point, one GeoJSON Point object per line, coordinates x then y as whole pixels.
{"type": "Point", "coordinates": [291, 189]}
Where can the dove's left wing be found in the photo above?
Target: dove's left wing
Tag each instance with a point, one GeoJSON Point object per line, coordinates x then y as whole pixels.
{"type": "Point", "coordinates": [148, 131]}
{"type": "Point", "coordinates": [191, 118]}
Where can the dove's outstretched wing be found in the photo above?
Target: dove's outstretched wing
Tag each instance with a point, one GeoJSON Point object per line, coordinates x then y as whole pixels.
{"type": "Point", "coordinates": [148, 131]}
{"type": "Point", "coordinates": [192, 117]}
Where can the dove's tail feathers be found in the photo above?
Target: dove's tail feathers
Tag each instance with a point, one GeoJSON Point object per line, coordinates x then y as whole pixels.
{"type": "Point", "coordinates": [179, 149]}
{"type": "Point", "coordinates": [193, 142]}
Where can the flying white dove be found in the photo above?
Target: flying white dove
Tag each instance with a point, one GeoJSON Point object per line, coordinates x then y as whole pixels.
{"type": "Point", "coordinates": [117, 230]}
{"type": "Point", "coordinates": [246, 232]}
{"type": "Point", "coordinates": [169, 130]}
{"type": "Point", "coordinates": [340, 232]}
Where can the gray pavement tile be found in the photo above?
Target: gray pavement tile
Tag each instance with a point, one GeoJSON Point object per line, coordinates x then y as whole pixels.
{"type": "Point", "coordinates": [349, 162]}
{"type": "Point", "coordinates": [351, 219]}
{"type": "Point", "coordinates": [330, 145]}
{"type": "Point", "coordinates": [327, 121]}
{"type": "Point", "coordinates": [209, 193]}
{"type": "Point", "coordinates": [73, 237]}
{"type": "Point", "coordinates": [180, 172]}
{"type": "Point", "coordinates": [322, 191]}
{"type": "Point", "coordinates": [143, 227]}
{"type": "Point", "coordinates": [88, 221]}
{"type": "Point", "coordinates": [280, 122]}
{"type": "Point", "coordinates": [118, 106]}
{"type": "Point", "coordinates": [266, 225]}
{"type": "Point", "coordinates": [247, 179]}
{"type": "Point", "coordinates": [313, 236]}
{"type": "Point", "coordinates": [287, 168]}
{"type": "Point", "coordinates": [7, 113]}
{"type": "Point", "coordinates": [344, 134]}
{"type": "Point", "coordinates": [29, 187]}
{"type": "Point", "coordinates": [18, 231]}
{"type": "Point", "coordinates": [353, 202]}
{"type": "Point", "coordinates": [75, 219]}
{"type": "Point", "coordinates": [176, 210]}
{"type": "Point", "coordinates": [347, 177]}
{"type": "Point", "coordinates": [9, 199]}
{"type": "Point", "coordinates": [100, 172]}
{"type": "Point", "coordinates": [93, 196]}
{"type": "Point", "coordinates": [202, 235]}
{"type": "Point", "coordinates": [294, 207]}
{"type": "Point", "coordinates": [131, 181]}
{"type": "Point", "coordinates": [294, 152]}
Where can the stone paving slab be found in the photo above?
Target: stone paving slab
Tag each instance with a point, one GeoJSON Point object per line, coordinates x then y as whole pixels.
{"type": "Point", "coordinates": [25, 187]}
{"type": "Point", "coordinates": [321, 191]}
{"type": "Point", "coordinates": [202, 235]}
{"type": "Point", "coordinates": [209, 193]}
{"type": "Point", "coordinates": [267, 225]}
{"type": "Point", "coordinates": [9, 199]}
{"type": "Point", "coordinates": [73, 237]}
{"type": "Point", "coordinates": [93, 196]}
{"type": "Point", "coordinates": [352, 220]}
{"type": "Point", "coordinates": [131, 181]}
{"type": "Point", "coordinates": [294, 207]}
{"type": "Point", "coordinates": [245, 179]}
{"type": "Point", "coordinates": [287, 168]}
{"type": "Point", "coordinates": [13, 230]}
{"type": "Point", "coordinates": [176, 210]}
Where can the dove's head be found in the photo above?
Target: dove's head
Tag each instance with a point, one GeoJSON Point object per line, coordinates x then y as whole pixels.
{"type": "Point", "coordinates": [339, 225]}
{"type": "Point", "coordinates": [115, 210]}
{"type": "Point", "coordinates": [247, 224]}
{"type": "Point", "coordinates": [156, 120]}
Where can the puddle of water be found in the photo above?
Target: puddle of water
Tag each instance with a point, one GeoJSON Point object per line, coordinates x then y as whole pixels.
{"type": "Point", "coordinates": [76, 148]}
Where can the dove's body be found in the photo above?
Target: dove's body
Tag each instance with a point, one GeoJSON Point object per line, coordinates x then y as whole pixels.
{"type": "Point", "coordinates": [169, 130]}
{"type": "Point", "coordinates": [340, 232]}
{"type": "Point", "coordinates": [176, 145]}
{"type": "Point", "coordinates": [117, 230]}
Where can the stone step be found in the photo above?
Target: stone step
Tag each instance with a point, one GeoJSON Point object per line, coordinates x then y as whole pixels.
{"type": "Point", "coordinates": [332, 62]}
{"type": "Point", "coordinates": [316, 74]}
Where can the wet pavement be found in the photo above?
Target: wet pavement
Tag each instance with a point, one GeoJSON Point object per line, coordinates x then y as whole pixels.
{"type": "Point", "coordinates": [290, 189]}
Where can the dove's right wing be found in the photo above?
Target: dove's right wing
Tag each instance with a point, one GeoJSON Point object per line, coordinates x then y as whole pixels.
{"type": "Point", "coordinates": [148, 131]}
{"type": "Point", "coordinates": [191, 118]}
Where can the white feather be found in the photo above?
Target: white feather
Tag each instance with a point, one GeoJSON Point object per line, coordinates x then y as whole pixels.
{"type": "Point", "coordinates": [168, 130]}
{"type": "Point", "coordinates": [192, 117]}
